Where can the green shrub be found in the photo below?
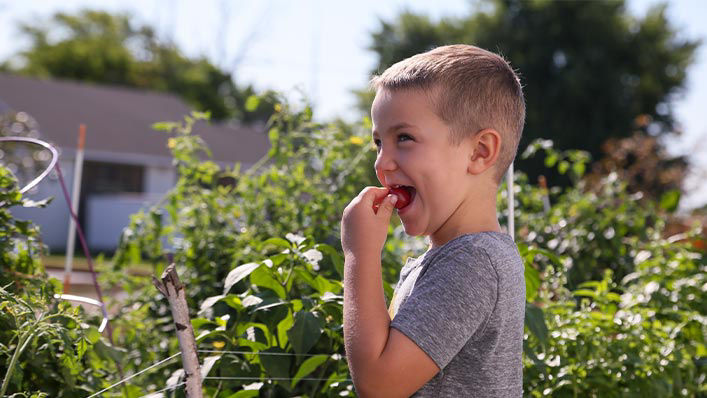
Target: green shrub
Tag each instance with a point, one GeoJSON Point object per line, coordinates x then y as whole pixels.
{"type": "Point", "coordinates": [47, 348]}
{"type": "Point", "coordinates": [615, 313]}
{"type": "Point", "coordinates": [625, 308]}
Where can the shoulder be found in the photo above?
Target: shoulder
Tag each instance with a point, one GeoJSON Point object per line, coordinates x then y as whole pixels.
{"type": "Point", "coordinates": [459, 262]}
{"type": "Point", "coordinates": [481, 246]}
{"type": "Point", "coordinates": [491, 252]}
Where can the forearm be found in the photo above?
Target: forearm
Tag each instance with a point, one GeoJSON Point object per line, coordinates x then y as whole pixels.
{"type": "Point", "coordinates": [366, 319]}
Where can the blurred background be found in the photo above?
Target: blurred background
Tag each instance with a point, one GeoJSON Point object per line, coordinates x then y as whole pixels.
{"type": "Point", "coordinates": [624, 80]}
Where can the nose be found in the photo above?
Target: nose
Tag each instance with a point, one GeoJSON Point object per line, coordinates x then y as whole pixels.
{"type": "Point", "coordinates": [385, 163]}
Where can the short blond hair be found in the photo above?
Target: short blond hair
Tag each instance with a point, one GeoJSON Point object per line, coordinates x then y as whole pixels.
{"type": "Point", "coordinates": [470, 88]}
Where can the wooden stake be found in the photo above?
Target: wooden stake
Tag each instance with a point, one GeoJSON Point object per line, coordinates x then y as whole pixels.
{"type": "Point", "coordinates": [511, 203]}
{"type": "Point", "coordinates": [71, 236]}
{"type": "Point", "coordinates": [171, 287]}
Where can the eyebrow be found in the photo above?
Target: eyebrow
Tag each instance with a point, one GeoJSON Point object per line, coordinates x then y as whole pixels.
{"type": "Point", "coordinates": [398, 126]}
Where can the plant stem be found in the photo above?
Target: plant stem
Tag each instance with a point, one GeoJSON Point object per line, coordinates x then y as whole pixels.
{"type": "Point", "coordinates": [218, 389]}
{"type": "Point", "coordinates": [287, 279]}
{"type": "Point", "coordinates": [21, 345]}
{"type": "Point", "coordinates": [319, 376]}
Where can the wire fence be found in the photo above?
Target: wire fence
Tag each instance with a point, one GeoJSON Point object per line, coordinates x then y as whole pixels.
{"type": "Point", "coordinates": [336, 356]}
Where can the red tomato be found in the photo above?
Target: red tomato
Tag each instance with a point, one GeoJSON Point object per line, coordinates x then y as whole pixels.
{"type": "Point", "coordinates": [403, 195]}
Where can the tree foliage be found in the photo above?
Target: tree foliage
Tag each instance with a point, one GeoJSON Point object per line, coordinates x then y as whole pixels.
{"type": "Point", "coordinates": [99, 47]}
{"type": "Point", "coordinates": [590, 70]}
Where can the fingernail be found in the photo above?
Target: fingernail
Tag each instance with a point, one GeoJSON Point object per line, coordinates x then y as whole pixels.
{"type": "Point", "coordinates": [393, 198]}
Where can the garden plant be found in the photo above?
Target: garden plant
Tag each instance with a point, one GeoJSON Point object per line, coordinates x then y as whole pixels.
{"type": "Point", "coordinates": [614, 307]}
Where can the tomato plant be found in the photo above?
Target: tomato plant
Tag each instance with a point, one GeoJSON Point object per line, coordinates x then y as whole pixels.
{"type": "Point", "coordinates": [614, 308]}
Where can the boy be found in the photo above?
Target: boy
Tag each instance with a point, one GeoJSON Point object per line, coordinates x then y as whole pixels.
{"type": "Point", "coordinates": [446, 124]}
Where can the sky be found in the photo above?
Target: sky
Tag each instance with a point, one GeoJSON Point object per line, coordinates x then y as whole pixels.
{"type": "Point", "coordinates": [318, 48]}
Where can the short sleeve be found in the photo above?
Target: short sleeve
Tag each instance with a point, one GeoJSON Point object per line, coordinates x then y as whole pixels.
{"type": "Point", "coordinates": [450, 302]}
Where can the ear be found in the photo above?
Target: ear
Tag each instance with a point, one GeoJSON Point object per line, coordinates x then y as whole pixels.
{"type": "Point", "coordinates": [485, 148]}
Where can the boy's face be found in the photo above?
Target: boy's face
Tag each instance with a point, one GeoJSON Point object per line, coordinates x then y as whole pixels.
{"type": "Point", "coordinates": [414, 151]}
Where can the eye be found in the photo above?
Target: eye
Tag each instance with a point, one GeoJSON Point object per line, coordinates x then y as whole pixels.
{"type": "Point", "coordinates": [402, 137]}
{"type": "Point", "coordinates": [377, 143]}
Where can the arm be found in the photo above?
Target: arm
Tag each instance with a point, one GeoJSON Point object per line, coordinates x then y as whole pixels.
{"type": "Point", "coordinates": [383, 361]}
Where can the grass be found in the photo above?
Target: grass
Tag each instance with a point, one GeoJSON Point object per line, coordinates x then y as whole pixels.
{"type": "Point", "coordinates": [80, 263]}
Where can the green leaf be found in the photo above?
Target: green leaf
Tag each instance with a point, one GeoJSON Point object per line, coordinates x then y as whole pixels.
{"type": "Point", "coordinates": [246, 393]}
{"type": "Point", "coordinates": [278, 242]}
{"type": "Point", "coordinates": [532, 282]}
{"type": "Point", "coordinates": [206, 115]}
{"type": "Point", "coordinates": [92, 335]}
{"type": "Point", "coordinates": [277, 259]}
{"type": "Point", "coordinates": [550, 160]}
{"type": "Point", "coordinates": [308, 367]}
{"type": "Point", "coordinates": [132, 391]}
{"type": "Point", "coordinates": [81, 347]}
{"type": "Point", "coordinates": [535, 321]}
{"type": "Point", "coordinates": [251, 103]}
{"type": "Point", "coordinates": [165, 126]}
{"type": "Point", "coordinates": [579, 168]}
{"type": "Point", "coordinates": [274, 136]}
{"type": "Point", "coordinates": [585, 293]}
{"type": "Point", "coordinates": [563, 166]}
{"type": "Point", "coordinates": [388, 291]}
{"type": "Point", "coordinates": [107, 351]}
{"type": "Point", "coordinates": [282, 327]}
{"type": "Point", "coordinates": [275, 364]}
{"type": "Point", "coordinates": [528, 350]}
{"type": "Point", "coordinates": [233, 301]}
{"type": "Point", "coordinates": [305, 276]}
{"type": "Point", "coordinates": [613, 297]}
{"type": "Point", "coordinates": [271, 314]}
{"type": "Point", "coordinates": [199, 323]}
{"type": "Point", "coordinates": [238, 274]}
{"type": "Point", "coordinates": [590, 284]}
{"type": "Point", "coordinates": [670, 200]}
{"type": "Point", "coordinates": [69, 362]}
{"type": "Point", "coordinates": [262, 277]}
{"type": "Point", "coordinates": [305, 332]}
{"type": "Point", "coordinates": [336, 257]}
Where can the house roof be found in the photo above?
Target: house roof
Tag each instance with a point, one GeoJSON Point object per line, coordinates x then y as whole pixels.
{"type": "Point", "coordinates": [118, 120]}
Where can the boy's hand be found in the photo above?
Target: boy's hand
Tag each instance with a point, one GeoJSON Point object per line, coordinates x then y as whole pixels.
{"type": "Point", "coordinates": [364, 225]}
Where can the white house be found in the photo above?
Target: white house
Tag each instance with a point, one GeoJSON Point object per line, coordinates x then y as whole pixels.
{"type": "Point", "coordinates": [126, 164]}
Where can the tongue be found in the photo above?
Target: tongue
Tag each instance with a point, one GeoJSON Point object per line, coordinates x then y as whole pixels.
{"type": "Point", "coordinates": [403, 195]}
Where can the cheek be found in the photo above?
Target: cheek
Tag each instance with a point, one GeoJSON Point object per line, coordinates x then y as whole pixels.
{"type": "Point", "coordinates": [379, 174]}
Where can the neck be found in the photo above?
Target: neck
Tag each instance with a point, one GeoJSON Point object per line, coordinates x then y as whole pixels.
{"type": "Point", "coordinates": [474, 215]}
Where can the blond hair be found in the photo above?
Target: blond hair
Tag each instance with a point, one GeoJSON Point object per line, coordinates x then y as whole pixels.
{"type": "Point", "coordinates": [470, 88]}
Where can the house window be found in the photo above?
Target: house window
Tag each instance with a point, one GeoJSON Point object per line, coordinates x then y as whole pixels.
{"type": "Point", "coordinates": [103, 177]}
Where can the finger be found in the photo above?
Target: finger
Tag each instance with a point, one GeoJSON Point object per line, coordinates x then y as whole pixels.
{"type": "Point", "coordinates": [379, 199]}
{"type": "Point", "coordinates": [373, 195]}
{"type": "Point", "coordinates": [385, 209]}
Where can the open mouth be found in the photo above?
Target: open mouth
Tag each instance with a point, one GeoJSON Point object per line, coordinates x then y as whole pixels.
{"type": "Point", "coordinates": [405, 193]}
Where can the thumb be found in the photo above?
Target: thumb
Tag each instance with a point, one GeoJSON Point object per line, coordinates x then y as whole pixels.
{"type": "Point", "coordinates": [386, 207]}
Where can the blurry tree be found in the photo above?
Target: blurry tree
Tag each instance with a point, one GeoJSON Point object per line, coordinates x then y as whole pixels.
{"type": "Point", "coordinates": [100, 47]}
{"type": "Point", "coordinates": [588, 68]}
{"type": "Point", "coordinates": [642, 163]}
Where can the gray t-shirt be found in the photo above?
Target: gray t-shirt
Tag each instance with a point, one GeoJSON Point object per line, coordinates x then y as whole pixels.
{"type": "Point", "coordinates": [463, 303]}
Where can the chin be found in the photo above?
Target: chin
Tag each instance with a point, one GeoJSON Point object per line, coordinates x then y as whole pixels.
{"type": "Point", "coordinates": [413, 230]}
